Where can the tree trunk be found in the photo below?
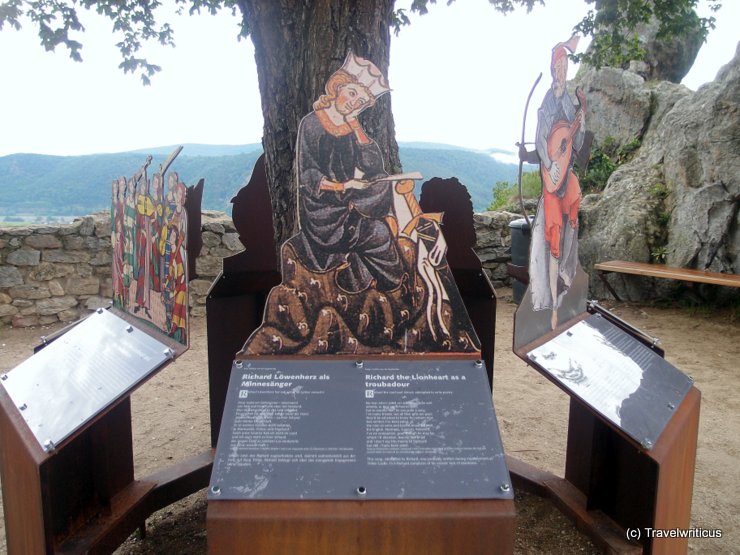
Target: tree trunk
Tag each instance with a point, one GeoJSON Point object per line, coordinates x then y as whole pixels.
{"type": "Point", "coordinates": [298, 44]}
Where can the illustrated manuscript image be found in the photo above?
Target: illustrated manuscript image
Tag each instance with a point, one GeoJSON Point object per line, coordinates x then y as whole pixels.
{"type": "Point", "coordinates": [367, 271]}
{"type": "Point", "coordinates": [149, 231]}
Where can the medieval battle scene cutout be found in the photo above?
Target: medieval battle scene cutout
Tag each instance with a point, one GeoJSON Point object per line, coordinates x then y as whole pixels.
{"type": "Point", "coordinates": [148, 234]}
{"type": "Point", "coordinates": [367, 272]}
{"type": "Point", "coordinates": [558, 286]}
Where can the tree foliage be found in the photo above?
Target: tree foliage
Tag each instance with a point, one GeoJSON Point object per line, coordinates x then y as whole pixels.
{"type": "Point", "coordinates": [297, 45]}
{"type": "Point", "coordinates": [506, 193]}
{"type": "Point", "coordinates": [611, 24]}
{"type": "Point", "coordinates": [134, 23]}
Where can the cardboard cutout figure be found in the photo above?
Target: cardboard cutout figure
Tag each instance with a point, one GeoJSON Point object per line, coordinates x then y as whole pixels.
{"type": "Point", "coordinates": [561, 139]}
{"type": "Point", "coordinates": [148, 235]}
{"type": "Point", "coordinates": [367, 272]}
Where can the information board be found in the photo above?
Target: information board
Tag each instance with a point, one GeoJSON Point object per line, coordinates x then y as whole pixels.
{"type": "Point", "coordinates": [71, 380]}
{"type": "Point", "coordinates": [616, 375]}
{"type": "Point", "coordinates": [338, 429]}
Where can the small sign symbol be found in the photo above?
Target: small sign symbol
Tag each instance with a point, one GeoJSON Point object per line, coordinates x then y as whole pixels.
{"type": "Point", "coordinates": [243, 393]}
{"type": "Point", "coordinates": [369, 394]}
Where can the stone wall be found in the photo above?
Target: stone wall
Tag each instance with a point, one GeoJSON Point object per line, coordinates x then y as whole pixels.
{"type": "Point", "coordinates": [494, 244]}
{"type": "Point", "coordinates": [53, 273]}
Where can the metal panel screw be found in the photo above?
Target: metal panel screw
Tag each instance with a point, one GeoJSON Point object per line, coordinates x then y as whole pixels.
{"type": "Point", "coordinates": [216, 490]}
{"type": "Point", "coordinates": [479, 364]}
{"type": "Point", "coordinates": [49, 446]}
{"type": "Point", "coordinates": [671, 406]}
{"type": "Point", "coordinates": [505, 487]}
{"type": "Point", "coordinates": [647, 444]}
{"type": "Point", "coordinates": [169, 353]}
{"type": "Point", "coordinates": [129, 328]}
{"type": "Point", "coordinates": [4, 377]}
{"type": "Point", "coordinates": [362, 491]}
{"type": "Point", "coordinates": [239, 364]}
{"type": "Point", "coordinates": [24, 406]}
{"type": "Point", "coordinates": [359, 364]}
{"type": "Point", "coordinates": [99, 311]}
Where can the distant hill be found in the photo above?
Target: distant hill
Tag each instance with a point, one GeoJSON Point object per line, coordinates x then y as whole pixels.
{"type": "Point", "coordinates": [40, 185]}
{"type": "Point", "coordinates": [202, 150]}
{"type": "Point", "coordinates": [477, 171]}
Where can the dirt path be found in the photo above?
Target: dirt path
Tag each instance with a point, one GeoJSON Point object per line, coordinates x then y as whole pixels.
{"type": "Point", "coordinates": [171, 424]}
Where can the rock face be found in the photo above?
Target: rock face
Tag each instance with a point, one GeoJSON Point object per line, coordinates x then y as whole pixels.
{"type": "Point", "coordinates": [665, 58]}
{"type": "Point", "coordinates": [677, 200]}
{"type": "Point", "coordinates": [619, 103]}
{"type": "Point", "coordinates": [668, 60]}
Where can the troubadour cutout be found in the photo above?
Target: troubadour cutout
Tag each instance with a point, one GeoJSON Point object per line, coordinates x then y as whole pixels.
{"type": "Point", "coordinates": [561, 139]}
{"type": "Point", "coordinates": [367, 271]}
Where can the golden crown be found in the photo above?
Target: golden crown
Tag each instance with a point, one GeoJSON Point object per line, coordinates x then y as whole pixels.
{"type": "Point", "coordinates": [366, 73]}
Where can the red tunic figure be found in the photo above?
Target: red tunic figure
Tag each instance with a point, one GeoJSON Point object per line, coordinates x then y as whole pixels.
{"type": "Point", "coordinates": [144, 210]}
{"type": "Point", "coordinates": [560, 133]}
{"type": "Point", "coordinates": [156, 220]}
{"type": "Point", "coordinates": [176, 283]}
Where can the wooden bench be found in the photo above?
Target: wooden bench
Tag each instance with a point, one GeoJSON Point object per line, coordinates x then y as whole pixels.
{"type": "Point", "coordinates": [662, 271]}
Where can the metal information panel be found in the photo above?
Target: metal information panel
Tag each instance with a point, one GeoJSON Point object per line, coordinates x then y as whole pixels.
{"type": "Point", "coordinates": [310, 429]}
{"type": "Point", "coordinates": [616, 375]}
{"type": "Point", "coordinates": [71, 380]}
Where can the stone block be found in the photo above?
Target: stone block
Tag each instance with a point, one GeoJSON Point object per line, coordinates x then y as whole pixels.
{"type": "Point", "coordinates": [45, 229]}
{"type": "Point", "coordinates": [30, 291]}
{"type": "Point", "coordinates": [48, 319]}
{"type": "Point", "coordinates": [69, 315]}
{"type": "Point", "coordinates": [10, 276]}
{"type": "Point", "coordinates": [101, 259]}
{"type": "Point", "coordinates": [102, 225]}
{"type": "Point", "coordinates": [198, 311]}
{"type": "Point", "coordinates": [48, 270]}
{"type": "Point", "coordinates": [221, 252]}
{"type": "Point", "coordinates": [232, 242]}
{"type": "Point", "coordinates": [69, 257]}
{"type": "Point", "coordinates": [24, 257]}
{"type": "Point", "coordinates": [74, 242]}
{"type": "Point", "coordinates": [55, 288]}
{"type": "Point", "coordinates": [94, 303]}
{"type": "Point", "coordinates": [87, 226]}
{"type": "Point", "coordinates": [54, 305]}
{"type": "Point", "coordinates": [214, 227]}
{"type": "Point", "coordinates": [106, 287]}
{"type": "Point", "coordinates": [43, 241]}
{"type": "Point", "coordinates": [8, 310]}
{"type": "Point", "coordinates": [200, 286]}
{"type": "Point", "coordinates": [23, 303]}
{"type": "Point", "coordinates": [69, 229]}
{"type": "Point", "coordinates": [18, 231]}
{"type": "Point", "coordinates": [5, 298]}
{"type": "Point", "coordinates": [209, 266]}
{"type": "Point", "coordinates": [97, 243]}
{"type": "Point", "coordinates": [211, 239]}
{"type": "Point", "coordinates": [20, 321]}
{"type": "Point", "coordinates": [84, 270]}
{"type": "Point", "coordinates": [82, 286]}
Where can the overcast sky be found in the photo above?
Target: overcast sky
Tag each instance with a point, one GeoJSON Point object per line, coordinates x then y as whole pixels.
{"type": "Point", "coordinates": [460, 75]}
